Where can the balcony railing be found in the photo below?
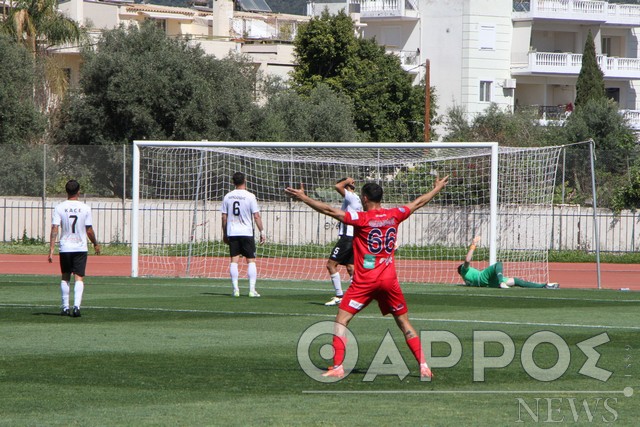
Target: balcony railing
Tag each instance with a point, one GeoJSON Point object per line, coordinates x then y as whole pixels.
{"type": "Point", "coordinates": [409, 59]}
{"type": "Point", "coordinates": [633, 118]}
{"type": "Point", "coordinates": [570, 63]}
{"type": "Point", "coordinates": [388, 8]}
{"type": "Point", "coordinates": [624, 14]}
{"type": "Point", "coordinates": [578, 10]}
{"type": "Point", "coordinates": [557, 114]}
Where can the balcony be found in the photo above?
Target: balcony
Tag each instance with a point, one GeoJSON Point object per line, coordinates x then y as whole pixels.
{"type": "Point", "coordinates": [555, 115]}
{"type": "Point", "coordinates": [409, 59]}
{"type": "Point", "coordinates": [633, 118]}
{"type": "Point", "coordinates": [401, 9]}
{"type": "Point", "coordinates": [624, 14]}
{"type": "Point", "coordinates": [570, 64]}
{"type": "Point", "coordinates": [577, 10]}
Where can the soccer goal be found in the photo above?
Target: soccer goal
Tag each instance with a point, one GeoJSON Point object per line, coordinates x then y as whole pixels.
{"type": "Point", "coordinates": [503, 194]}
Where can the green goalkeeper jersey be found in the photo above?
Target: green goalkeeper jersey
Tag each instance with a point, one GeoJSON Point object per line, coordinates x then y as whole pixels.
{"type": "Point", "coordinates": [482, 278]}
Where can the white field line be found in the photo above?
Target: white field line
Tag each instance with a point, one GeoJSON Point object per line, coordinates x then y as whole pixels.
{"type": "Point", "coordinates": [627, 392]}
{"type": "Point", "coordinates": [331, 316]}
{"type": "Point", "coordinates": [500, 293]}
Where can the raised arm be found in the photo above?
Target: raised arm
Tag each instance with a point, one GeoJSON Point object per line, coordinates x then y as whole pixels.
{"type": "Point", "coordinates": [472, 248]}
{"type": "Point", "coordinates": [323, 208]}
{"type": "Point", "coordinates": [426, 198]}
{"type": "Point", "coordinates": [341, 186]}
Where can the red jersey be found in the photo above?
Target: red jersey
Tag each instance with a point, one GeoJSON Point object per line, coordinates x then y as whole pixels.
{"type": "Point", "coordinates": [374, 242]}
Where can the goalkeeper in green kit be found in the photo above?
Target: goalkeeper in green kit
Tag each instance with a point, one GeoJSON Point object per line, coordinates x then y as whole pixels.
{"type": "Point", "coordinates": [492, 277]}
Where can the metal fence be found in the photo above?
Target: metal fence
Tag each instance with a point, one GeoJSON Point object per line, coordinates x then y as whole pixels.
{"type": "Point", "coordinates": [32, 182]}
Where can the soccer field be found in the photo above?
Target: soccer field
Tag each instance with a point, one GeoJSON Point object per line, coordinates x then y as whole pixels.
{"type": "Point", "coordinates": [183, 352]}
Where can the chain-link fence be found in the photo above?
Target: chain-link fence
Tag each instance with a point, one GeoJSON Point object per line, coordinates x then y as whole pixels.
{"type": "Point", "coordinates": [32, 182]}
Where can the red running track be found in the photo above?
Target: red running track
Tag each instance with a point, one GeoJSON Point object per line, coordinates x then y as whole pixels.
{"type": "Point", "coordinates": [569, 275]}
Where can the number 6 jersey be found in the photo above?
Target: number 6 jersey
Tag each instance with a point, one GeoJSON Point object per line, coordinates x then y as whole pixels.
{"type": "Point", "coordinates": [73, 217]}
{"type": "Point", "coordinates": [239, 205]}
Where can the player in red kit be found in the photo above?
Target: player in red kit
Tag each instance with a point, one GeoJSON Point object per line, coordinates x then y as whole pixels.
{"type": "Point", "coordinates": [375, 277]}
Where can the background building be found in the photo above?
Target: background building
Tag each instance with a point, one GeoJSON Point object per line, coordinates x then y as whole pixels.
{"type": "Point", "coordinates": [512, 53]}
{"type": "Point", "coordinates": [228, 26]}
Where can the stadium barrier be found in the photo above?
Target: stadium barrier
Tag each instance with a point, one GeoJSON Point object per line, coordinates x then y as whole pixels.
{"type": "Point", "coordinates": [169, 222]}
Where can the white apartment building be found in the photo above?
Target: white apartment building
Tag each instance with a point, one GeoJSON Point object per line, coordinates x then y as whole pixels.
{"type": "Point", "coordinates": [514, 53]}
{"type": "Point", "coordinates": [229, 26]}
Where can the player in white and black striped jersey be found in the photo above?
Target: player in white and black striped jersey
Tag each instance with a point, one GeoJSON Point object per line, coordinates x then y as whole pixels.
{"type": "Point", "coordinates": [239, 212]}
{"type": "Point", "coordinates": [342, 252]}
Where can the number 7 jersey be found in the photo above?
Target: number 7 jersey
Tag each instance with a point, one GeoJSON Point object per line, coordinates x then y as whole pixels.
{"type": "Point", "coordinates": [374, 240]}
{"type": "Point", "coordinates": [73, 217]}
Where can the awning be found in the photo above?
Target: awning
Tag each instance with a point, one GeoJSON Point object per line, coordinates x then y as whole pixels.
{"type": "Point", "coordinates": [174, 16]}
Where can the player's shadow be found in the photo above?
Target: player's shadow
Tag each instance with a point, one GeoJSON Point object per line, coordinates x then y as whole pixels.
{"type": "Point", "coordinates": [317, 303]}
{"type": "Point", "coordinates": [44, 313]}
{"type": "Point", "coordinates": [217, 294]}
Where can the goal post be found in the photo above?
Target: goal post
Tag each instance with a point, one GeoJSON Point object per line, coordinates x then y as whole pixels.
{"type": "Point", "coordinates": [178, 188]}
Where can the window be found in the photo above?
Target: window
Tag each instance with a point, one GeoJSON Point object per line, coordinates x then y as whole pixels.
{"type": "Point", "coordinates": [485, 91]}
{"type": "Point", "coordinates": [162, 24]}
{"type": "Point", "coordinates": [487, 37]}
{"type": "Point", "coordinates": [67, 74]}
{"type": "Point", "coordinates": [606, 46]}
{"type": "Point", "coordinates": [613, 93]}
{"type": "Point", "coordinates": [391, 36]}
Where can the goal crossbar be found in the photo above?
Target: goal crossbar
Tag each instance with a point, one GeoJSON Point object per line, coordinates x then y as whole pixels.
{"type": "Point", "coordinates": [491, 239]}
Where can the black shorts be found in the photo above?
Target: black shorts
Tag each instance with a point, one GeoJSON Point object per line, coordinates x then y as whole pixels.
{"type": "Point", "coordinates": [242, 245]}
{"type": "Point", "coordinates": [73, 262]}
{"type": "Point", "coordinates": [342, 252]}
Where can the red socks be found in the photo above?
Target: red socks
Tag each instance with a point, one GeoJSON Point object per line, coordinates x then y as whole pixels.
{"type": "Point", "coordinates": [339, 347]}
{"type": "Point", "coordinates": [416, 348]}
{"type": "Point", "coordinates": [340, 344]}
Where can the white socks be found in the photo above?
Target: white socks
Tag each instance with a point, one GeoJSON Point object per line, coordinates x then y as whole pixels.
{"type": "Point", "coordinates": [233, 271]}
{"type": "Point", "coordinates": [78, 289]}
{"type": "Point", "coordinates": [64, 289]}
{"type": "Point", "coordinates": [252, 273]}
{"type": "Point", "coordinates": [337, 284]}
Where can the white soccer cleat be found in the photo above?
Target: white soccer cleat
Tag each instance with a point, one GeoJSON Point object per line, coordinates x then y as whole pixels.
{"type": "Point", "coordinates": [552, 285]}
{"type": "Point", "coordinates": [335, 372]}
{"type": "Point", "coordinates": [236, 293]}
{"type": "Point", "coordinates": [333, 301]}
{"type": "Point", "coordinates": [254, 294]}
{"type": "Point", "coordinates": [425, 372]}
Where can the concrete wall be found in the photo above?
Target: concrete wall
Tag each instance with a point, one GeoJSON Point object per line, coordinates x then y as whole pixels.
{"type": "Point", "coordinates": [171, 222]}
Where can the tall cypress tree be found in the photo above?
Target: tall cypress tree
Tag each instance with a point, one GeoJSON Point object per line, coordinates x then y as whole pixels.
{"type": "Point", "coordinates": [591, 79]}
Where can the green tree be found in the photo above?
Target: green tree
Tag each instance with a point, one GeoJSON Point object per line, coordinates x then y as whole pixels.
{"type": "Point", "coordinates": [39, 25]}
{"type": "Point", "coordinates": [386, 105]}
{"type": "Point", "coordinates": [21, 124]}
{"type": "Point", "coordinates": [20, 121]}
{"type": "Point", "coordinates": [590, 83]}
{"type": "Point", "coordinates": [139, 84]}
{"type": "Point", "coordinates": [627, 195]}
{"type": "Point", "coordinates": [289, 116]}
{"type": "Point", "coordinates": [519, 129]}
{"type": "Point", "coordinates": [615, 143]}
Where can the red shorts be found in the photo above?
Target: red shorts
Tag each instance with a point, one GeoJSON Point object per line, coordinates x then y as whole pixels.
{"type": "Point", "coordinates": [388, 294]}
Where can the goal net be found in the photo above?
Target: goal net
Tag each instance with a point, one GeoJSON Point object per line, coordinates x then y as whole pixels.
{"type": "Point", "coordinates": [179, 187]}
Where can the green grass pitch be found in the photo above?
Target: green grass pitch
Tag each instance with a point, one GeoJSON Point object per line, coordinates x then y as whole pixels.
{"type": "Point", "coordinates": [183, 352]}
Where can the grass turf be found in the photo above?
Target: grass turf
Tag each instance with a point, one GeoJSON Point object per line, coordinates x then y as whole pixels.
{"type": "Point", "coordinates": [183, 352]}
